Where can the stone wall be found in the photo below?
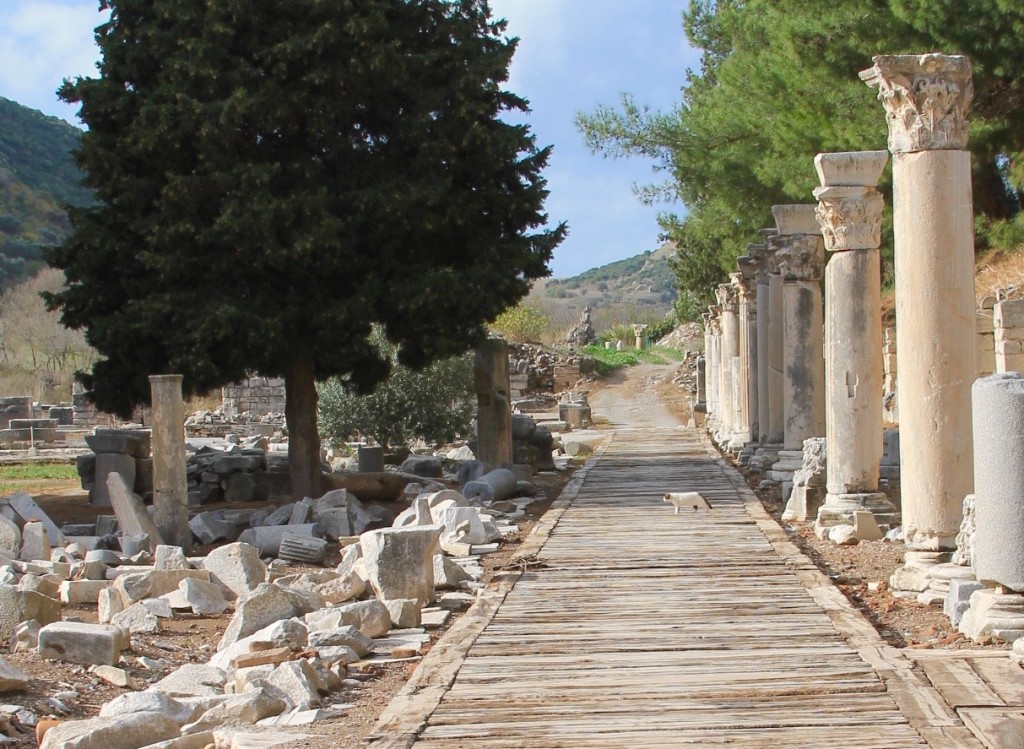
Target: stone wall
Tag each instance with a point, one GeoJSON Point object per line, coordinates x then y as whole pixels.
{"type": "Point", "coordinates": [257, 396]}
{"type": "Point", "coordinates": [1008, 322]}
{"type": "Point", "coordinates": [986, 338]}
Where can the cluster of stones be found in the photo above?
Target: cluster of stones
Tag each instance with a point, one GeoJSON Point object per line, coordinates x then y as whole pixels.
{"type": "Point", "coordinates": [784, 368]}
{"type": "Point", "coordinates": [291, 638]}
{"type": "Point", "coordinates": [24, 422]}
{"type": "Point", "coordinates": [218, 425]}
{"type": "Point", "coordinates": [535, 370]}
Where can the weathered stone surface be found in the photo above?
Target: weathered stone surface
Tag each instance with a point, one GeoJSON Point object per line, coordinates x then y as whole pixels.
{"type": "Point", "coordinates": [423, 465]}
{"type": "Point", "coordinates": [237, 567]}
{"type": "Point", "coordinates": [21, 605]}
{"type": "Point", "coordinates": [137, 619]}
{"type": "Point", "coordinates": [265, 605]}
{"type": "Point", "coordinates": [267, 538]}
{"type": "Point", "coordinates": [35, 542]}
{"type": "Point", "coordinates": [297, 547]}
{"type": "Point", "coordinates": [107, 465]}
{"type": "Point", "coordinates": [170, 558]}
{"type": "Point", "coordinates": [204, 598]}
{"type": "Point", "coordinates": [334, 523]}
{"type": "Point", "coordinates": [239, 710]}
{"type": "Point", "coordinates": [113, 675]}
{"type": "Point", "coordinates": [342, 588]}
{"type": "Point", "coordinates": [209, 529]}
{"type": "Point", "coordinates": [288, 632]}
{"type": "Point", "coordinates": [347, 636]}
{"type": "Point", "coordinates": [11, 679]}
{"type": "Point", "coordinates": [447, 574]}
{"type": "Point", "coordinates": [157, 702]}
{"type": "Point", "coordinates": [129, 731]}
{"type": "Point", "coordinates": [192, 680]}
{"type": "Point", "coordinates": [492, 486]}
{"type": "Point", "coordinates": [299, 682]}
{"type": "Point", "coordinates": [26, 637]}
{"type": "Point", "coordinates": [137, 586]}
{"type": "Point", "coordinates": [369, 617]}
{"type": "Point", "coordinates": [77, 642]}
{"type": "Point", "coordinates": [399, 562]}
{"type": "Point", "coordinates": [10, 536]}
{"type": "Point", "coordinates": [82, 591]}
{"type": "Point", "coordinates": [131, 512]}
{"type": "Point", "coordinates": [404, 612]}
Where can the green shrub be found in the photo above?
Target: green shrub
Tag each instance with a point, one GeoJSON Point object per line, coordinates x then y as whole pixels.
{"type": "Point", "coordinates": [523, 323]}
{"type": "Point", "coordinates": [435, 404]}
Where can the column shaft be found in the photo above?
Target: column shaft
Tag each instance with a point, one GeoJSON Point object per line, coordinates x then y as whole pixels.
{"type": "Point", "coordinates": [170, 480]}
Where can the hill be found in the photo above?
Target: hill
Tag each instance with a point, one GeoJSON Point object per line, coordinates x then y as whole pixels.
{"type": "Point", "coordinates": [641, 288]}
{"type": "Point", "coordinates": [37, 179]}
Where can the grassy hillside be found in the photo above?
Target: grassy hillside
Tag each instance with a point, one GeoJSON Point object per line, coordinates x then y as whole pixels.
{"type": "Point", "coordinates": [639, 289]}
{"type": "Point", "coordinates": [37, 178]}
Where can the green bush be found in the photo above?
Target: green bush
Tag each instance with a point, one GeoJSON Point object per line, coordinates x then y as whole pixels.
{"type": "Point", "coordinates": [435, 404]}
{"type": "Point", "coordinates": [523, 323]}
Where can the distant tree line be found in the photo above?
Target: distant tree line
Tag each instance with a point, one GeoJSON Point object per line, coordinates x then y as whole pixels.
{"type": "Point", "coordinates": [778, 83]}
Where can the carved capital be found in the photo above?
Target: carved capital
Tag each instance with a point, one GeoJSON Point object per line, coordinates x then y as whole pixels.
{"type": "Point", "coordinates": [758, 255]}
{"type": "Point", "coordinates": [796, 218]}
{"type": "Point", "coordinates": [749, 266]}
{"type": "Point", "coordinates": [926, 100]}
{"type": "Point", "coordinates": [802, 258]}
{"type": "Point", "coordinates": [725, 293]}
{"type": "Point", "coordinates": [850, 217]}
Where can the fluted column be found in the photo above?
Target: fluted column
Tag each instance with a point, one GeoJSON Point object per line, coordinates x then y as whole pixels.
{"type": "Point", "coordinates": [801, 260]}
{"type": "Point", "coordinates": [850, 216]}
{"type": "Point", "coordinates": [730, 349]}
{"type": "Point", "coordinates": [926, 99]}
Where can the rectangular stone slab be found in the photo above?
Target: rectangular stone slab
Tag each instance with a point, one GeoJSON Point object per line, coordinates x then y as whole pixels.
{"type": "Point", "coordinates": [27, 508]}
{"type": "Point", "coordinates": [131, 513]}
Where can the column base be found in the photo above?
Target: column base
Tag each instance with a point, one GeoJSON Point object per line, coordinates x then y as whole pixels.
{"type": "Point", "coordinates": [994, 612]}
{"type": "Point", "coordinates": [940, 581]}
{"type": "Point", "coordinates": [804, 503]}
{"type": "Point", "coordinates": [913, 578]}
{"type": "Point", "coordinates": [747, 453]}
{"type": "Point", "coordinates": [839, 509]}
{"type": "Point", "coordinates": [738, 441]}
{"type": "Point", "coordinates": [789, 462]}
{"type": "Point", "coordinates": [764, 457]}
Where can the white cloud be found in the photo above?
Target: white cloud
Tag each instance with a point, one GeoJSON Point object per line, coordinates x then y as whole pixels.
{"type": "Point", "coordinates": [41, 43]}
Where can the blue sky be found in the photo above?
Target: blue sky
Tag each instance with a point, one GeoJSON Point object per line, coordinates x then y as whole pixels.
{"type": "Point", "coordinates": [573, 55]}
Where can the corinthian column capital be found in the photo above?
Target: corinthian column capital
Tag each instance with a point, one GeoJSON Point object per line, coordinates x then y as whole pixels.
{"type": "Point", "coordinates": [725, 293]}
{"type": "Point", "coordinates": [850, 217]}
{"type": "Point", "coordinates": [802, 258]}
{"type": "Point", "coordinates": [926, 100]}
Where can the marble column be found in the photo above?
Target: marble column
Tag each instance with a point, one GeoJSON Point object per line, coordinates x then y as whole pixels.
{"type": "Point", "coordinates": [748, 354]}
{"type": "Point", "coordinates": [801, 260]}
{"type": "Point", "coordinates": [776, 342]}
{"type": "Point", "coordinates": [757, 254]}
{"type": "Point", "coordinates": [170, 482]}
{"type": "Point", "coordinates": [701, 382]}
{"type": "Point", "coordinates": [730, 349]}
{"type": "Point", "coordinates": [850, 215]}
{"type": "Point", "coordinates": [713, 327]}
{"type": "Point", "coordinates": [493, 404]}
{"type": "Point", "coordinates": [926, 99]}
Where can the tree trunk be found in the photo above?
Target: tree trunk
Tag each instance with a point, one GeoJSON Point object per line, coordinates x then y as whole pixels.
{"type": "Point", "coordinates": [303, 436]}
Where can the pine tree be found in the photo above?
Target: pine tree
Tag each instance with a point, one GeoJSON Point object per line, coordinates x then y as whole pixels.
{"type": "Point", "coordinates": [274, 177]}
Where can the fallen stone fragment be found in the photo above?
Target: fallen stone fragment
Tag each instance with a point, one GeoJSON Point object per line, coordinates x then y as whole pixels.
{"type": "Point", "coordinates": [262, 657]}
{"type": "Point", "coordinates": [137, 619]}
{"type": "Point", "coordinates": [268, 538]}
{"type": "Point", "coordinates": [299, 682]}
{"type": "Point", "coordinates": [138, 702]}
{"type": "Point", "coordinates": [10, 536]}
{"type": "Point", "coordinates": [448, 574]}
{"type": "Point", "coordinates": [119, 732]}
{"type": "Point", "coordinates": [334, 523]}
{"type": "Point", "coordinates": [434, 619]}
{"type": "Point", "coordinates": [342, 588]}
{"type": "Point", "coordinates": [87, 644]}
{"type": "Point", "coordinates": [26, 507]}
{"type": "Point", "coordinates": [209, 529]}
{"type": "Point", "coordinates": [192, 680]}
{"type": "Point", "coordinates": [296, 547]}
{"type": "Point", "coordinates": [205, 599]}
{"type": "Point", "coordinates": [337, 654]}
{"type": "Point", "coordinates": [170, 558]}
{"type": "Point", "coordinates": [288, 632]}
{"type": "Point", "coordinates": [457, 601]}
{"type": "Point", "coordinates": [35, 542]}
{"type": "Point", "coordinates": [12, 679]}
{"type": "Point", "coordinates": [843, 535]}
{"type": "Point", "coordinates": [263, 739]}
{"type": "Point", "coordinates": [265, 605]}
{"type": "Point", "coordinates": [113, 675]}
{"type": "Point", "coordinates": [404, 612]}
{"type": "Point", "coordinates": [237, 567]}
{"type": "Point", "coordinates": [131, 512]}
{"type": "Point", "coordinates": [239, 710]}
{"type": "Point", "coordinates": [108, 604]}
{"type": "Point", "coordinates": [347, 636]}
{"type": "Point", "coordinates": [203, 740]}
{"type": "Point", "coordinates": [26, 637]}
{"type": "Point", "coordinates": [371, 617]}
{"type": "Point", "coordinates": [399, 562]}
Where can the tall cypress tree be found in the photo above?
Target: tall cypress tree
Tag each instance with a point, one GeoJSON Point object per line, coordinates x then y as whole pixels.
{"type": "Point", "coordinates": [274, 176]}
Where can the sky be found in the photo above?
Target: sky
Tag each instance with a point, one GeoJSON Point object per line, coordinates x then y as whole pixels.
{"type": "Point", "coordinates": [573, 55]}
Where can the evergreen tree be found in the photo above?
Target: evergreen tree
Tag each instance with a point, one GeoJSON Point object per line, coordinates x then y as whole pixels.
{"type": "Point", "coordinates": [778, 83]}
{"type": "Point", "coordinates": [273, 177]}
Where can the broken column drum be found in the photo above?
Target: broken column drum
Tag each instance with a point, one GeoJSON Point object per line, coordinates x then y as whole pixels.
{"type": "Point", "coordinates": [730, 349]}
{"type": "Point", "coordinates": [850, 215]}
{"type": "Point", "coordinates": [801, 260]}
{"type": "Point", "coordinates": [999, 480]}
{"type": "Point", "coordinates": [926, 98]}
{"type": "Point", "coordinates": [170, 480]}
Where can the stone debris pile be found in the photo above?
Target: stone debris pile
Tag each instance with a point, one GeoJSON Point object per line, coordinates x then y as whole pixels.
{"type": "Point", "coordinates": [299, 636]}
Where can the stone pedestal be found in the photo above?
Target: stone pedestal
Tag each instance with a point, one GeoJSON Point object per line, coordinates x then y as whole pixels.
{"type": "Point", "coordinates": [850, 215]}
{"type": "Point", "coordinates": [808, 482]}
{"type": "Point", "coordinates": [994, 612]}
{"type": "Point", "coordinates": [493, 405]}
{"type": "Point", "coordinates": [170, 480]}
{"type": "Point", "coordinates": [926, 98]}
{"type": "Point", "coordinates": [801, 260]}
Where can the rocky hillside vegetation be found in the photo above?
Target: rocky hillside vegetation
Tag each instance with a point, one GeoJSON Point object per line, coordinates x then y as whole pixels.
{"type": "Point", "coordinates": [37, 179]}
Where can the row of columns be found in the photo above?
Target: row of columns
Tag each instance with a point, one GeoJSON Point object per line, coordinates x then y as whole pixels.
{"type": "Point", "coordinates": [787, 365]}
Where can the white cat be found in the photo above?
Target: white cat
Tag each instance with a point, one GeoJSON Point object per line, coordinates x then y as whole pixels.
{"type": "Point", "coordinates": [686, 499]}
